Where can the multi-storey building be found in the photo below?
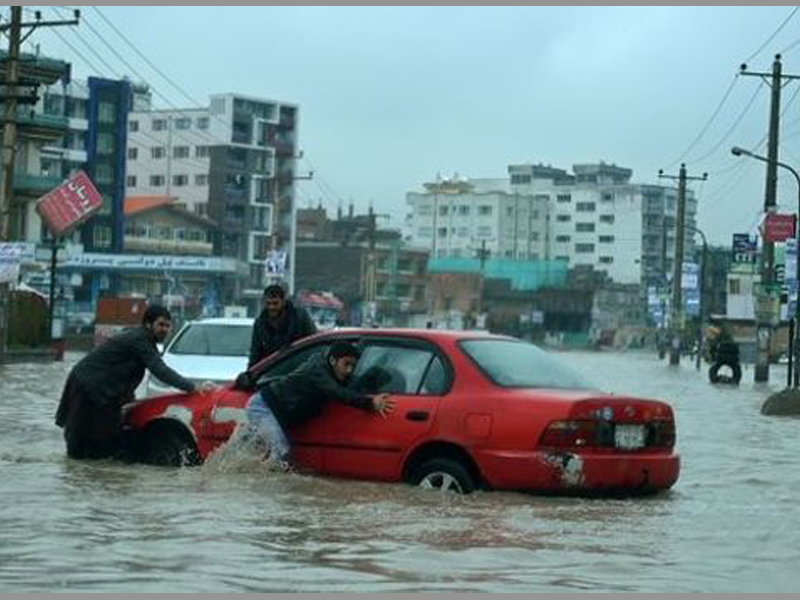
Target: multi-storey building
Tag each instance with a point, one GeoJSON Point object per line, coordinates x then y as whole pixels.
{"type": "Point", "coordinates": [599, 218]}
{"type": "Point", "coordinates": [233, 162]}
{"type": "Point", "coordinates": [593, 217]}
{"type": "Point", "coordinates": [460, 219]}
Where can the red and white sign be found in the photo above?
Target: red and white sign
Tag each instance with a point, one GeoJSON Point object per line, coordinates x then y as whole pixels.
{"type": "Point", "coordinates": [65, 207]}
{"type": "Point", "coordinates": [777, 227]}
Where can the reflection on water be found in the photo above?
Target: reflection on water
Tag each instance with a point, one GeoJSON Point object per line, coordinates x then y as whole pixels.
{"type": "Point", "coordinates": [232, 525]}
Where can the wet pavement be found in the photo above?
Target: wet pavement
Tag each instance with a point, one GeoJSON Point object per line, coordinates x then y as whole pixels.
{"type": "Point", "coordinates": [729, 524]}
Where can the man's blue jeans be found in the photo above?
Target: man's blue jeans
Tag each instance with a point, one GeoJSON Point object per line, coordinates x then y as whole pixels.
{"type": "Point", "coordinates": [263, 423]}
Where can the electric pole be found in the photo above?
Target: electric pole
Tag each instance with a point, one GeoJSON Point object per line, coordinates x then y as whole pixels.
{"type": "Point", "coordinates": [676, 322]}
{"type": "Point", "coordinates": [11, 95]}
{"type": "Point", "coordinates": [775, 80]}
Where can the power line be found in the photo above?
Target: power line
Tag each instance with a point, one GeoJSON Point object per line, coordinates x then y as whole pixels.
{"type": "Point", "coordinates": [733, 127]}
{"type": "Point", "coordinates": [772, 37]}
{"type": "Point", "coordinates": [716, 112]}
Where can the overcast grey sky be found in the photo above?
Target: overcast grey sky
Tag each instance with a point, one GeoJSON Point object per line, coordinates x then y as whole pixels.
{"type": "Point", "coordinates": [389, 97]}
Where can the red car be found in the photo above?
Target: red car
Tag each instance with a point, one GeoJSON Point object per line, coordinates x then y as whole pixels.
{"type": "Point", "coordinates": [473, 411]}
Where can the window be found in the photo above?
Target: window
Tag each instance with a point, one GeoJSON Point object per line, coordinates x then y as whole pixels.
{"type": "Point", "coordinates": [584, 227]}
{"type": "Point", "coordinates": [202, 151]}
{"type": "Point", "coordinates": [201, 179]}
{"type": "Point", "coordinates": [606, 218]}
{"type": "Point", "coordinates": [564, 258]}
{"type": "Point", "coordinates": [463, 210]}
{"type": "Point", "coordinates": [101, 236]}
{"type": "Point", "coordinates": [106, 112]}
{"type": "Point", "coordinates": [484, 231]}
{"type": "Point", "coordinates": [535, 236]}
{"type": "Point", "coordinates": [103, 173]}
{"type": "Point", "coordinates": [183, 123]}
{"type": "Point", "coordinates": [606, 260]}
{"type": "Point", "coordinates": [563, 218]}
{"type": "Point", "coordinates": [424, 232]}
{"type": "Point", "coordinates": [606, 239]}
{"type": "Point", "coordinates": [443, 211]}
{"type": "Point", "coordinates": [133, 126]}
{"type": "Point", "coordinates": [510, 211]}
{"type": "Point", "coordinates": [156, 180]}
{"type": "Point", "coordinates": [585, 206]}
{"type": "Point", "coordinates": [441, 232]}
{"type": "Point", "coordinates": [485, 210]}
{"type": "Point", "coordinates": [290, 363]}
{"type": "Point", "coordinates": [563, 238]}
{"type": "Point", "coordinates": [584, 248]}
{"type": "Point", "coordinates": [517, 179]}
{"type": "Point", "coordinates": [535, 214]}
{"type": "Point", "coordinates": [201, 209]}
{"type": "Point", "coordinates": [424, 210]}
{"type": "Point", "coordinates": [395, 370]}
{"type": "Point", "coordinates": [608, 196]}
{"type": "Point", "coordinates": [563, 198]}
{"type": "Point", "coordinates": [130, 181]}
{"type": "Point", "coordinates": [734, 286]}
{"type": "Point", "coordinates": [463, 231]}
{"type": "Point", "coordinates": [105, 143]}
{"type": "Point", "coordinates": [133, 153]}
{"type": "Point", "coordinates": [180, 180]}
{"type": "Point", "coordinates": [180, 152]}
{"type": "Point", "coordinates": [519, 364]}
{"type": "Point", "coordinates": [158, 152]}
{"type": "Point", "coordinates": [159, 124]}
{"type": "Point", "coordinates": [213, 340]}
{"type": "Point", "coordinates": [202, 122]}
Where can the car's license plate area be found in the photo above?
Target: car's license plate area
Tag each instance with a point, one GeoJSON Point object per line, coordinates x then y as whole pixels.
{"type": "Point", "coordinates": [629, 437]}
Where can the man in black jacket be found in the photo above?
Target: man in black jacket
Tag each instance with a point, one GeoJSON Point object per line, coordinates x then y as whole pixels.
{"type": "Point", "coordinates": [104, 380]}
{"type": "Point", "coordinates": [279, 324]}
{"type": "Point", "coordinates": [298, 396]}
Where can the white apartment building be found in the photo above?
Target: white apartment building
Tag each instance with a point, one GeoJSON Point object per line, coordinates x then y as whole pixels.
{"type": "Point", "coordinates": [461, 218]}
{"type": "Point", "coordinates": [232, 162]}
{"type": "Point", "coordinates": [593, 217]}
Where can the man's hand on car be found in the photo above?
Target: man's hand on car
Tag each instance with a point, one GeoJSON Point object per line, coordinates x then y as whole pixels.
{"type": "Point", "coordinates": [207, 386]}
{"type": "Point", "coordinates": [383, 404]}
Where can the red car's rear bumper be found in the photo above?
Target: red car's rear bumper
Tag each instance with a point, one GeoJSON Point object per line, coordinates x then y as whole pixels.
{"type": "Point", "coordinates": [568, 472]}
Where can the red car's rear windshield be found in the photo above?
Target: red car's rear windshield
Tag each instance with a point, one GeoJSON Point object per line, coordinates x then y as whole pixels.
{"type": "Point", "coordinates": [510, 363]}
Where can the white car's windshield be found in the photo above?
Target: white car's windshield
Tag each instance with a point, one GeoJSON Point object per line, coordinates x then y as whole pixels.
{"type": "Point", "coordinates": [510, 363]}
{"type": "Point", "coordinates": [213, 340]}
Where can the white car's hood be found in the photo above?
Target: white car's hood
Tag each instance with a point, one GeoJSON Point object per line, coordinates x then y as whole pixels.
{"type": "Point", "coordinates": [198, 368]}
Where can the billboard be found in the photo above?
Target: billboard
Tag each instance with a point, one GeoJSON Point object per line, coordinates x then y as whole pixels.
{"type": "Point", "coordinates": [67, 206]}
{"type": "Point", "coordinates": [745, 248]}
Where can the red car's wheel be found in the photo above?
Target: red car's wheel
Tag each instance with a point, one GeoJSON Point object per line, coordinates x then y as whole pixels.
{"type": "Point", "coordinates": [444, 474]}
{"type": "Point", "coordinates": [167, 445]}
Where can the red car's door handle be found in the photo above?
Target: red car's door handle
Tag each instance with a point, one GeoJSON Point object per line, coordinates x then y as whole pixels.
{"type": "Point", "coordinates": [417, 415]}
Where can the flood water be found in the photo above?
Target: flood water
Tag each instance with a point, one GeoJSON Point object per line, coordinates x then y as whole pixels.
{"type": "Point", "coordinates": [730, 524]}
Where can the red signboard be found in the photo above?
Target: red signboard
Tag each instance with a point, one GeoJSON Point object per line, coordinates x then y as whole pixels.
{"type": "Point", "coordinates": [777, 227]}
{"type": "Point", "coordinates": [68, 205]}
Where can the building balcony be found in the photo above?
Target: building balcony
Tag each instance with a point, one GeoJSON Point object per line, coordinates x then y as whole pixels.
{"type": "Point", "coordinates": [41, 126]}
{"type": "Point", "coordinates": [34, 185]}
{"type": "Point", "coordinates": [147, 245]}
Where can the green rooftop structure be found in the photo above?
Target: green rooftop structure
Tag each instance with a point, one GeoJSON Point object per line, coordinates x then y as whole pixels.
{"type": "Point", "coordinates": [524, 275]}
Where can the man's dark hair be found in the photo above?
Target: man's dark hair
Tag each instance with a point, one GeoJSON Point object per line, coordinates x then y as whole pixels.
{"type": "Point", "coordinates": [274, 291]}
{"type": "Point", "coordinates": [341, 349]}
{"type": "Point", "coordinates": [154, 313]}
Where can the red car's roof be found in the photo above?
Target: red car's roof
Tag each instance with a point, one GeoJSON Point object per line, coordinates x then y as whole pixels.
{"type": "Point", "coordinates": [428, 334]}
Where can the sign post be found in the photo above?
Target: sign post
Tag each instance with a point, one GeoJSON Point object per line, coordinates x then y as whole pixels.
{"type": "Point", "coordinates": [62, 209]}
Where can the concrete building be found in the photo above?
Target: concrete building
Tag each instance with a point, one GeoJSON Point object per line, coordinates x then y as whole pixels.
{"type": "Point", "coordinates": [36, 132]}
{"type": "Point", "coordinates": [459, 219]}
{"type": "Point", "coordinates": [599, 218]}
{"type": "Point", "coordinates": [234, 162]}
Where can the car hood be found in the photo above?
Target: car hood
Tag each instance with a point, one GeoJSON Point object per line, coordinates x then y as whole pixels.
{"type": "Point", "coordinates": [206, 368]}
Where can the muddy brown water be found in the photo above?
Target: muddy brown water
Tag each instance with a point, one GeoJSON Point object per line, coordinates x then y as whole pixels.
{"type": "Point", "coordinates": [730, 524]}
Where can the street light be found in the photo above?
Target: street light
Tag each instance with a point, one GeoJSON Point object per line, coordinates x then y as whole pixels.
{"type": "Point", "coordinates": [794, 344]}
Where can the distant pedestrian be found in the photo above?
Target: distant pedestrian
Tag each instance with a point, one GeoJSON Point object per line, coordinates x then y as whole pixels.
{"type": "Point", "coordinates": [90, 410]}
{"type": "Point", "coordinates": [279, 324]}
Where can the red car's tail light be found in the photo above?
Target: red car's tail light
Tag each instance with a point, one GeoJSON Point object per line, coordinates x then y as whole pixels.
{"type": "Point", "coordinates": [570, 434]}
{"type": "Point", "coordinates": [580, 433]}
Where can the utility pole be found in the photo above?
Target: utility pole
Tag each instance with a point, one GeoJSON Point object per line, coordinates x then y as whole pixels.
{"type": "Point", "coordinates": [11, 97]}
{"type": "Point", "coordinates": [676, 324]}
{"type": "Point", "coordinates": [764, 330]}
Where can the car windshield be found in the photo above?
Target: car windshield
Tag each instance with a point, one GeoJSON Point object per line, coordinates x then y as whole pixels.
{"type": "Point", "coordinates": [510, 363]}
{"type": "Point", "coordinates": [213, 340]}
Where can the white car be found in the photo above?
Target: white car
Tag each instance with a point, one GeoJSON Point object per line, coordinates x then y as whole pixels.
{"type": "Point", "coordinates": [205, 350]}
